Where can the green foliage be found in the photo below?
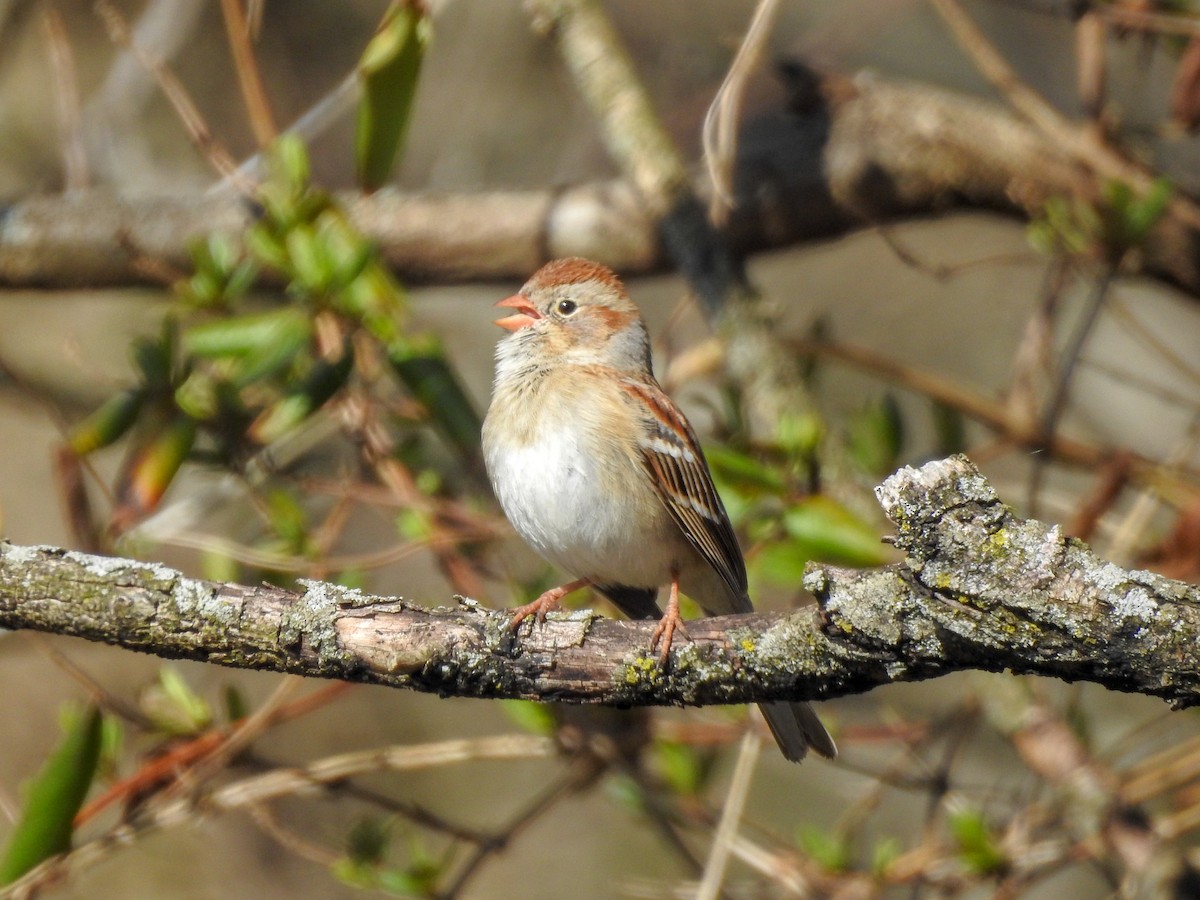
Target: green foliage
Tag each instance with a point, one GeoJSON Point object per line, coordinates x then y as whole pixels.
{"type": "Point", "coordinates": [824, 529]}
{"type": "Point", "coordinates": [769, 492]}
{"type": "Point", "coordinates": [875, 436]}
{"type": "Point", "coordinates": [977, 845]}
{"type": "Point", "coordinates": [744, 474]}
{"type": "Point", "coordinates": [1108, 228]}
{"type": "Point", "coordinates": [536, 718]}
{"type": "Point", "coordinates": [365, 865]}
{"type": "Point", "coordinates": [389, 71]}
{"type": "Point", "coordinates": [54, 797]}
{"type": "Point", "coordinates": [422, 367]}
{"type": "Point", "coordinates": [223, 272]}
{"type": "Point", "coordinates": [109, 423]}
{"type": "Point", "coordinates": [832, 851]}
{"type": "Point", "coordinates": [683, 767]}
{"type": "Point", "coordinates": [950, 429]}
{"type": "Point", "coordinates": [228, 376]}
{"type": "Point", "coordinates": [153, 461]}
{"type": "Point", "coordinates": [234, 703]}
{"type": "Point", "coordinates": [288, 518]}
{"type": "Point", "coordinates": [884, 853]}
{"type": "Point", "coordinates": [173, 706]}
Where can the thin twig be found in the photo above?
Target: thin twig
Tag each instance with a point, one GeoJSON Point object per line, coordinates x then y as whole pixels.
{"type": "Point", "coordinates": [1082, 143]}
{"type": "Point", "coordinates": [1121, 308]}
{"type": "Point", "coordinates": [197, 127]}
{"type": "Point", "coordinates": [1066, 374]}
{"type": "Point", "coordinates": [245, 63]}
{"type": "Point", "coordinates": [259, 789]}
{"type": "Point", "coordinates": [1132, 529]}
{"type": "Point", "coordinates": [66, 81]}
{"type": "Point", "coordinates": [1179, 484]}
{"type": "Point", "coordinates": [719, 136]}
{"type": "Point", "coordinates": [96, 692]}
{"type": "Point", "coordinates": [244, 732]}
{"type": "Point", "coordinates": [1140, 17]}
{"type": "Point", "coordinates": [1072, 352]}
{"type": "Point", "coordinates": [264, 817]}
{"type": "Point", "coordinates": [566, 783]}
{"type": "Point", "coordinates": [169, 765]}
{"type": "Point", "coordinates": [731, 816]}
{"type": "Point", "coordinates": [311, 124]}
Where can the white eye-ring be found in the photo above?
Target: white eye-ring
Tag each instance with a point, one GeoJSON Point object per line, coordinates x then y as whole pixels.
{"type": "Point", "coordinates": [566, 307]}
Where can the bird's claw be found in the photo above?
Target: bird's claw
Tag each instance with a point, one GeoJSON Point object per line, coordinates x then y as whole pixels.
{"type": "Point", "coordinates": [538, 609]}
{"type": "Point", "coordinates": [664, 634]}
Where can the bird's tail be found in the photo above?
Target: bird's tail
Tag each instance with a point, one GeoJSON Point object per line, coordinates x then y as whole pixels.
{"type": "Point", "coordinates": [797, 729]}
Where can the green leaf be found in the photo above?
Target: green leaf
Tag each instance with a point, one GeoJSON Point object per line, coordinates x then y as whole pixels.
{"type": "Point", "coordinates": [368, 840]}
{"type": "Point", "coordinates": [800, 434]}
{"type": "Point", "coordinates": [247, 334]}
{"type": "Point", "coordinates": [288, 518]}
{"type": "Point", "coordinates": [422, 367]}
{"type": "Point", "coordinates": [267, 247]}
{"type": "Point", "coordinates": [234, 701]}
{"type": "Point", "coordinates": [108, 423]}
{"type": "Point", "coordinates": [781, 562]}
{"type": "Point", "coordinates": [976, 843]}
{"type": "Point", "coordinates": [289, 163]}
{"type": "Point", "coordinates": [54, 797]}
{"type": "Point", "coordinates": [348, 251]}
{"type": "Point", "coordinates": [536, 718]}
{"type": "Point", "coordinates": [154, 357]}
{"type": "Point", "coordinates": [831, 851]}
{"type": "Point", "coordinates": [179, 692]}
{"type": "Point", "coordinates": [152, 466]}
{"type": "Point", "coordinates": [323, 380]}
{"type": "Point", "coordinates": [884, 853]}
{"type": "Point", "coordinates": [827, 531]}
{"type": "Point", "coordinates": [680, 765]}
{"type": "Point", "coordinates": [388, 70]}
{"type": "Point", "coordinates": [950, 428]}
{"type": "Point", "coordinates": [311, 270]}
{"type": "Point", "coordinates": [876, 435]}
{"type": "Point", "coordinates": [1145, 212]}
{"type": "Point", "coordinates": [742, 472]}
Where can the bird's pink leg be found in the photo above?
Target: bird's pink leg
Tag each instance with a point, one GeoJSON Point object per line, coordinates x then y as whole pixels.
{"type": "Point", "coordinates": [671, 621]}
{"type": "Point", "coordinates": [552, 599]}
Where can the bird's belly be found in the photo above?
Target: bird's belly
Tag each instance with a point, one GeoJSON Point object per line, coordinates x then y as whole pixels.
{"type": "Point", "coordinates": [585, 511]}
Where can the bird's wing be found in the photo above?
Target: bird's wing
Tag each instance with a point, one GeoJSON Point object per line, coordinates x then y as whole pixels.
{"type": "Point", "coordinates": [680, 476]}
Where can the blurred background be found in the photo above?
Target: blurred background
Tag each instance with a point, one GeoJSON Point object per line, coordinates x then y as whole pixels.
{"type": "Point", "coordinates": [943, 787]}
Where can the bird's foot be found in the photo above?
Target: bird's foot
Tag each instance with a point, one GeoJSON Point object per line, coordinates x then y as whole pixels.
{"type": "Point", "coordinates": [548, 602]}
{"type": "Point", "coordinates": [671, 622]}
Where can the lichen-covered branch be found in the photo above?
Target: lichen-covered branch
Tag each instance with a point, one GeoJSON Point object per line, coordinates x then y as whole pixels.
{"type": "Point", "coordinates": [980, 589]}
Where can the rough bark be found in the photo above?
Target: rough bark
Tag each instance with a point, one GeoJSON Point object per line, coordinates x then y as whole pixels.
{"type": "Point", "coordinates": [979, 589]}
{"type": "Point", "coordinates": [849, 151]}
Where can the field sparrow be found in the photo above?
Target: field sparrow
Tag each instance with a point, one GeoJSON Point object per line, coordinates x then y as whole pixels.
{"type": "Point", "coordinates": [600, 472]}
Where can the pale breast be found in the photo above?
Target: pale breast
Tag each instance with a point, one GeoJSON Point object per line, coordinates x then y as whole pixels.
{"type": "Point", "coordinates": [577, 497]}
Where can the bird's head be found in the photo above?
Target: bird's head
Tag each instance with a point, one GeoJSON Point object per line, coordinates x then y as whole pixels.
{"type": "Point", "coordinates": [574, 311]}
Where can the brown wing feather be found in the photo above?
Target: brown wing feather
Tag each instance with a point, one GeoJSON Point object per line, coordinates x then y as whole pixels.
{"type": "Point", "coordinates": [680, 475]}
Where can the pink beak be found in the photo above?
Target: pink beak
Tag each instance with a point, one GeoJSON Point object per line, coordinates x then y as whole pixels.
{"type": "Point", "coordinates": [526, 315]}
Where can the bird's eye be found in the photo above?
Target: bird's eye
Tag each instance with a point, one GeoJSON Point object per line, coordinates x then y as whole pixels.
{"type": "Point", "coordinates": [566, 307]}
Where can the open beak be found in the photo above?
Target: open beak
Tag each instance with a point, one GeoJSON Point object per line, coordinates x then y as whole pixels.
{"type": "Point", "coordinates": [525, 313]}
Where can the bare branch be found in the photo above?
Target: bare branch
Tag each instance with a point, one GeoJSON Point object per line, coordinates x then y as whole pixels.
{"type": "Point", "coordinates": [864, 149]}
{"type": "Point", "coordinates": [980, 589]}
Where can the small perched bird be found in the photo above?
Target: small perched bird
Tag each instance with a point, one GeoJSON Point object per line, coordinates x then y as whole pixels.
{"type": "Point", "coordinates": [599, 471]}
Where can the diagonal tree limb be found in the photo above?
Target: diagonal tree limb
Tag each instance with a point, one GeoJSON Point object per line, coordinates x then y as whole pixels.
{"type": "Point", "coordinates": [980, 589]}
